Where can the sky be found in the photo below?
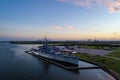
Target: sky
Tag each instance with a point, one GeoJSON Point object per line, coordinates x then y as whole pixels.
{"type": "Point", "coordinates": [59, 19]}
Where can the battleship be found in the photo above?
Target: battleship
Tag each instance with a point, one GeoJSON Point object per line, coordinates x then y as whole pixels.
{"type": "Point", "coordinates": [50, 53]}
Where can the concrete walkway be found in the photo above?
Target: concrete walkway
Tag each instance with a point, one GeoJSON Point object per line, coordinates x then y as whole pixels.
{"type": "Point", "coordinates": [112, 57]}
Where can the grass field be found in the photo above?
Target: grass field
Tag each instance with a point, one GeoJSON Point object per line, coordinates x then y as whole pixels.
{"type": "Point", "coordinates": [115, 54]}
{"type": "Point", "coordinates": [108, 62]}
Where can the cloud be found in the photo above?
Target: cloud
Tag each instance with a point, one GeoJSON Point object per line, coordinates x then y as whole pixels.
{"type": "Point", "coordinates": [70, 27]}
{"type": "Point", "coordinates": [62, 0]}
{"type": "Point", "coordinates": [111, 5]}
{"type": "Point", "coordinates": [57, 27]}
{"type": "Point", "coordinates": [116, 33]}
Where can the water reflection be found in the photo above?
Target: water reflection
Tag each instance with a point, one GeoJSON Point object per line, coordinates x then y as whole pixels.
{"type": "Point", "coordinates": [46, 67]}
{"type": "Point", "coordinates": [17, 65]}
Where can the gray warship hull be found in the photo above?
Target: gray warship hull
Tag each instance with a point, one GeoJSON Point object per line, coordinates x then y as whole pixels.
{"type": "Point", "coordinates": [57, 58]}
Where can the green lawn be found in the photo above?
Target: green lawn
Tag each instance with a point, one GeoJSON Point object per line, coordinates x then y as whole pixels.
{"type": "Point", "coordinates": [108, 62]}
{"type": "Point", "coordinates": [115, 54]}
{"type": "Point", "coordinates": [90, 47]}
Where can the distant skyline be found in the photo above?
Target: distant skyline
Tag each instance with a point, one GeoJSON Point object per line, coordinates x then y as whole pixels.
{"type": "Point", "coordinates": [59, 19]}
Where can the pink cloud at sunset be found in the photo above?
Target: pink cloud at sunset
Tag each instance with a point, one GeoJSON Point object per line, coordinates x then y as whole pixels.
{"type": "Point", "coordinates": [112, 5]}
{"type": "Point", "coordinates": [57, 27]}
{"type": "Point", "coordinates": [69, 27]}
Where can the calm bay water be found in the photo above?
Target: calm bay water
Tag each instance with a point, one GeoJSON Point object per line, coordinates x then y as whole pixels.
{"type": "Point", "coordinates": [15, 64]}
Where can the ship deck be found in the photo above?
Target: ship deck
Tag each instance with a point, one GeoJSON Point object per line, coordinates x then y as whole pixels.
{"type": "Point", "coordinates": [62, 64]}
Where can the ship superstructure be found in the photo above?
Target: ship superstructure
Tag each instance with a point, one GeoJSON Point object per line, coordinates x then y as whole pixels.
{"type": "Point", "coordinates": [50, 52]}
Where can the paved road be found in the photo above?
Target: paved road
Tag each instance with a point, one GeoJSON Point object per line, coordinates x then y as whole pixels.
{"type": "Point", "coordinates": [113, 57]}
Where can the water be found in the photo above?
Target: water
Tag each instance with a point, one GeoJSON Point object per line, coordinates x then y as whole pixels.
{"type": "Point", "coordinates": [15, 64]}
